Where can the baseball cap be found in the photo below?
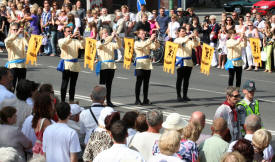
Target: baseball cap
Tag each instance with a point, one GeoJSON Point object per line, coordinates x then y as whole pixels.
{"type": "Point", "coordinates": [249, 85]}
{"type": "Point", "coordinates": [75, 109]}
{"type": "Point", "coordinates": [174, 122]}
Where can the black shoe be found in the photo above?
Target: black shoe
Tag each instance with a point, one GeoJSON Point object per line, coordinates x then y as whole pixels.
{"type": "Point", "coordinates": [179, 99]}
{"type": "Point", "coordinates": [138, 102]}
{"type": "Point", "coordinates": [186, 98]}
{"type": "Point", "coordinates": [111, 104]}
{"type": "Point", "coordinates": [146, 102]}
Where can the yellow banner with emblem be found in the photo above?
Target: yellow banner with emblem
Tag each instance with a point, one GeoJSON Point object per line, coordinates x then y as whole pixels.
{"type": "Point", "coordinates": [128, 52]}
{"type": "Point", "coordinates": [206, 59]}
{"type": "Point", "coordinates": [90, 52]}
{"type": "Point", "coordinates": [33, 48]}
{"type": "Point", "coordinates": [170, 57]}
{"type": "Point", "coordinates": [255, 44]}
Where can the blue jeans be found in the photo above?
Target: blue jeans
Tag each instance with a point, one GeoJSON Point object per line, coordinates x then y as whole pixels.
{"type": "Point", "coordinates": [47, 47]}
{"type": "Point", "coordinates": [53, 41]}
{"type": "Point", "coordinates": [2, 44]}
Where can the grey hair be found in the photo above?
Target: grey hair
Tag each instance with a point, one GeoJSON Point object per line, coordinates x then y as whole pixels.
{"type": "Point", "coordinates": [154, 117]}
{"type": "Point", "coordinates": [253, 123]}
{"type": "Point", "coordinates": [39, 158]}
{"type": "Point", "coordinates": [99, 93]}
{"type": "Point", "coordinates": [230, 90]}
{"type": "Point", "coordinates": [9, 154]}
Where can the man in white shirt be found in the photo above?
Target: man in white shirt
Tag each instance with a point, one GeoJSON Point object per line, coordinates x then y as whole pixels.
{"type": "Point", "coordinates": [143, 142]}
{"type": "Point", "coordinates": [252, 124]}
{"type": "Point", "coordinates": [89, 118]}
{"type": "Point", "coordinates": [119, 151]}
{"type": "Point", "coordinates": [60, 142]}
{"type": "Point", "coordinates": [6, 86]}
{"type": "Point", "coordinates": [73, 121]}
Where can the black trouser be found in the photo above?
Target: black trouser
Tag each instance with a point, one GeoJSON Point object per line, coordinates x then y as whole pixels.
{"type": "Point", "coordinates": [238, 71]}
{"type": "Point", "coordinates": [67, 76]}
{"type": "Point", "coordinates": [183, 74]}
{"type": "Point", "coordinates": [106, 77]}
{"type": "Point", "coordinates": [142, 76]}
{"type": "Point", "coordinates": [18, 74]}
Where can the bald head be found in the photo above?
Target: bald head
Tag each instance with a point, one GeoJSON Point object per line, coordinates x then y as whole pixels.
{"type": "Point", "coordinates": [99, 93]}
{"type": "Point", "coordinates": [219, 126]}
{"type": "Point", "coordinates": [198, 117]}
{"type": "Point", "coordinates": [252, 123]}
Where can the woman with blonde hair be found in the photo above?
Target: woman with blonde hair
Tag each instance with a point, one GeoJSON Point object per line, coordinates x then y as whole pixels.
{"type": "Point", "coordinates": [169, 144]}
{"type": "Point", "coordinates": [189, 149]}
{"type": "Point", "coordinates": [173, 27]}
{"type": "Point", "coordinates": [260, 140]}
{"type": "Point", "coordinates": [233, 157]}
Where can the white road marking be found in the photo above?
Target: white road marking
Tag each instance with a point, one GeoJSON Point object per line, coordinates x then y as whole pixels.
{"type": "Point", "coordinates": [186, 117]}
{"type": "Point", "coordinates": [87, 72]}
{"type": "Point", "coordinates": [54, 67]}
{"type": "Point", "coordinates": [122, 78]}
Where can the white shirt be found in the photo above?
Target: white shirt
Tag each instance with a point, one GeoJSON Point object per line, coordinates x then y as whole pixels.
{"type": "Point", "coordinates": [27, 129]}
{"type": "Point", "coordinates": [131, 134]}
{"type": "Point", "coordinates": [29, 101]}
{"type": "Point", "coordinates": [259, 25]}
{"type": "Point", "coordinates": [87, 122]}
{"type": "Point", "coordinates": [119, 153]}
{"type": "Point", "coordinates": [173, 27]}
{"type": "Point", "coordinates": [225, 112]}
{"type": "Point", "coordinates": [59, 140]}
{"type": "Point", "coordinates": [23, 109]}
{"type": "Point", "coordinates": [165, 158]}
{"type": "Point", "coordinates": [5, 94]}
{"type": "Point", "coordinates": [143, 142]}
{"type": "Point", "coordinates": [268, 152]}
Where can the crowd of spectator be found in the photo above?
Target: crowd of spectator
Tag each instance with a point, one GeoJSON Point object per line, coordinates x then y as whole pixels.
{"type": "Point", "coordinates": [37, 127]}
{"type": "Point", "coordinates": [50, 20]}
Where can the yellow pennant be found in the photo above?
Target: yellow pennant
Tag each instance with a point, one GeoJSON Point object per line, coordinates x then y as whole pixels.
{"type": "Point", "coordinates": [33, 48]}
{"type": "Point", "coordinates": [256, 50]}
{"type": "Point", "coordinates": [128, 52]}
{"type": "Point", "coordinates": [206, 59]}
{"type": "Point", "coordinates": [90, 52]}
{"type": "Point", "coordinates": [170, 57]}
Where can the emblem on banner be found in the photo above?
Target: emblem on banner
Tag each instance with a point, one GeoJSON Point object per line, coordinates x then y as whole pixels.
{"type": "Point", "coordinates": [90, 52]}
{"type": "Point", "coordinates": [170, 57]}
{"type": "Point", "coordinates": [33, 48]}
{"type": "Point", "coordinates": [255, 44]}
{"type": "Point", "coordinates": [128, 52]}
{"type": "Point", "coordinates": [207, 55]}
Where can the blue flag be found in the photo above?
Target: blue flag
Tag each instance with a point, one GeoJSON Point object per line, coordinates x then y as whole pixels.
{"type": "Point", "coordinates": [139, 3]}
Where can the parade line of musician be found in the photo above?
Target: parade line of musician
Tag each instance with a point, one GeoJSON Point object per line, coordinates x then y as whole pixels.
{"type": "Point", "coordinates": [177, 53]}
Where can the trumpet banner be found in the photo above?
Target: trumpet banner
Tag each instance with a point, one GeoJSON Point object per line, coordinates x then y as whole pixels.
{"type": "Point", "coordinates": [90, 52]}
{"type": "Point", "coordinates": [170, 57]}
{"type": "Point", "coordinates": [33, 47]}
{"type": "Point", "coordinates": [255, 44]}
{"type": "Point", "coordinates": [206, 59]}
{"type": "Point", "coordinates": [128, 52]}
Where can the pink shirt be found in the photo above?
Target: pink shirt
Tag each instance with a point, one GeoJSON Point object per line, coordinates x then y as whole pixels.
{"type": "Point", "coordinates": [152, 26]}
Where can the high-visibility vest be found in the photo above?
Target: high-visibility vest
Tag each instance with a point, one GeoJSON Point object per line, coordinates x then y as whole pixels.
{"type": "Point", "coordinates": [248, 109]}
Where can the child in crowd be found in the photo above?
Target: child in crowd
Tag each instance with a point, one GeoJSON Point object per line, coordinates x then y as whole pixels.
{"type": "Point", "coordinates": [222, 51]}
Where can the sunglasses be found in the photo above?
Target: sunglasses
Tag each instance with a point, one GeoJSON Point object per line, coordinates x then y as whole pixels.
{"type": "Point", "coordinates": [250, 25]}
{"type": "Point", "coordinates": [236, 96]}
{"type": "Point", "coordinates": [14, 29]}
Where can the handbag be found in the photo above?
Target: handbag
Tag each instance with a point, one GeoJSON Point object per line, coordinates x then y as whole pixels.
{"type": "Point", "coordinates": [37, 148]}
